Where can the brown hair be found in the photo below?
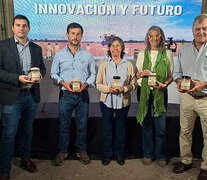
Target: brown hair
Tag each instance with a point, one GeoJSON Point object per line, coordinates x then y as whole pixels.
{"type": "Point", "coordinates": [116, 38]}
{"type": "Point", "coordinates": [19, 16]}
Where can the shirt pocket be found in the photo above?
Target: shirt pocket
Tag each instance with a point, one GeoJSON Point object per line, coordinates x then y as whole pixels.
{"type": "Point", "coordinates": [83, 64]}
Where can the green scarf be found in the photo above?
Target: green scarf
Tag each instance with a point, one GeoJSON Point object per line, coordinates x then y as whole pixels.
{"type": "Point", "coordinates": [161, 69]}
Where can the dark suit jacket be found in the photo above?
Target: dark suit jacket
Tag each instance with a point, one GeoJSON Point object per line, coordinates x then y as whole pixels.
{"type": "Point", "coordinates": [10, 70]}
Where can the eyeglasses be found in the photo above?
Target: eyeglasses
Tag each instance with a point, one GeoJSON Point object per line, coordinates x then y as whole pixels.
{"type": "Point", "coordinates": [157, 36]}
{"type": "Point", "coordinates": [203, 28]}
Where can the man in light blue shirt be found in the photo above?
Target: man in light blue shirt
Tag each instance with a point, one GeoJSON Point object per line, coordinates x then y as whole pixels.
{"type": "Point", "coordinates": [192, 61]}
{"type": "Point", "coordinates": [73, 62]}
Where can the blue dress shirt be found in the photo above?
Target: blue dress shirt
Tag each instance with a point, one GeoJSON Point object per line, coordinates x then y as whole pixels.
{"type": "Point", "coordinates": [25, 60]}
{"type": "Point", "coordinates": [24, 56]}
{"type": "Point", "coordinates": [65, 66]}
{"type": "Point", "coordinates": [115, 100]}
{"type": "Point", "coordinates": [192, 62]}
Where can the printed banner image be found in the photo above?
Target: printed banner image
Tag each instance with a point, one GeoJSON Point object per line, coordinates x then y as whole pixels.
{"type": "Point", "coordinates": [102, 20]}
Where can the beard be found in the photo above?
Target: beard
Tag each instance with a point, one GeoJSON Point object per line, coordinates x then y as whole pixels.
{"type": "Point", "coordinates": [75, 42]}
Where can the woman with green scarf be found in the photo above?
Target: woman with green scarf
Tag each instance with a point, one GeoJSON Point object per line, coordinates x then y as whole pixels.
{"type": "Point", "coordinates": [154, 59]}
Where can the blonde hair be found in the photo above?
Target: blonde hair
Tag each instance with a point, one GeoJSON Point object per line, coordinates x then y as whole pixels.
{"type": "Point", "coordinates": [162, 38]}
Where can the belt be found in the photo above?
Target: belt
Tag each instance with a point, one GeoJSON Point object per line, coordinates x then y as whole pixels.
{"type": "Point", "coordinates": [25, 90]}
{"type": "Point", "coordinates": [64, 91]}
{"type": "Point", "coordinates": [198, 96]}
{"type": "Point", "coordinates": [77, 93]}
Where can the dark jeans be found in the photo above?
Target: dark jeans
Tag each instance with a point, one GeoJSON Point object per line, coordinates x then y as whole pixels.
{"type": "Point", "coordinates": [154, 149]}
{"type": "Point", "coordinates": [25, 108]}
{"type": "Point", "coordinates": [119, 130]}
{"type": "Point", "coordinates": [80, 103]}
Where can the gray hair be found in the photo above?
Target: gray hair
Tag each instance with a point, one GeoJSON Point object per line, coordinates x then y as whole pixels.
{"type": "Point", "coordinates": [199, 18]}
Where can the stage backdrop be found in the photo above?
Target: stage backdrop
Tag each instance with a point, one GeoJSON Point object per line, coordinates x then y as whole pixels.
{"type": "Point", "coordinates": [129, 19]}
{"type": "Point", "coordinates": [102, 19]}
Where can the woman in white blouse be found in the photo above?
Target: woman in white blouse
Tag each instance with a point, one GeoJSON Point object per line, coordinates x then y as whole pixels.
{"type": "Point", "coordinates": [154, 59]}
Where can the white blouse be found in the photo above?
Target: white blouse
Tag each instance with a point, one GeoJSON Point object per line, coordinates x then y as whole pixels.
{"type": "Point", "coordinates": [153, 58]}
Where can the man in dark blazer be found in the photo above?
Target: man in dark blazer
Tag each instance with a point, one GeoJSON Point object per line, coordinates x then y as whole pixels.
{"type": "Point", "coordinates": [19, 95]}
